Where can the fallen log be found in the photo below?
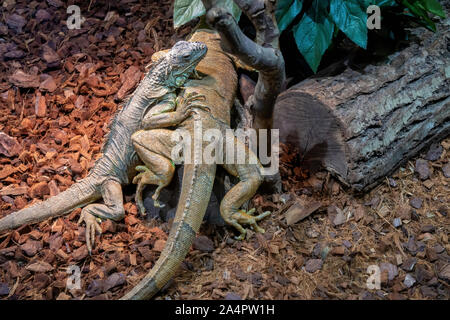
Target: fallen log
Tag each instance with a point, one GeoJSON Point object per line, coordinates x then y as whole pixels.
{"type": "Point", "coordinates": [361, 126]}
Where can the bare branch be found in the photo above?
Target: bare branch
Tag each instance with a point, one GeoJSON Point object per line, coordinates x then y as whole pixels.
{"type": "Point", "coordinates": [263, 55]}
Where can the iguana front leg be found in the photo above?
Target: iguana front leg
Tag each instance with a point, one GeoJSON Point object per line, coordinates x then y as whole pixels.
{"type": "Point", "coordinates": [182, 109]}
{"type": "Point", "coordinates": [168, 103]}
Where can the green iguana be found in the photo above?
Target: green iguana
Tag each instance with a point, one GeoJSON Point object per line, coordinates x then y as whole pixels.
{"type": "Point", "coordinates": [154, 147]}
{"type": "Point", "coordinates": [116, 167]}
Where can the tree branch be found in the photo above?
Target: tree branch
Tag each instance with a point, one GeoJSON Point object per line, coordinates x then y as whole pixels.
{"type": "Point", "coordinates": [263, 55]}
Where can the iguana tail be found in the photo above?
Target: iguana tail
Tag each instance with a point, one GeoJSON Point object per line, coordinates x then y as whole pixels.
{"type": "Point", "coordinates": [77, 195]}
{"type": "Point", "coordinates": [194, 199]}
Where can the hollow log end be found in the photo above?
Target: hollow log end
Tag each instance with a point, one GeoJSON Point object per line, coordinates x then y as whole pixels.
{"type": "Point", "coordinates": [309, 125]}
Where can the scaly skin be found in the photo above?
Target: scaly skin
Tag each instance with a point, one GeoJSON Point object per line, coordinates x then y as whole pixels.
{"type": "Point", "coordinates": [116, 167]}
{"type": "Point", "coordinates": [154, 144]}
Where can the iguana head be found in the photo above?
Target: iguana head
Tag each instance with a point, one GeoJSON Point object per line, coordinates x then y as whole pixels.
{"type": "Point", "coordinates": [182, 60]}
{"type": "Point", "coordinates": [173, 68]}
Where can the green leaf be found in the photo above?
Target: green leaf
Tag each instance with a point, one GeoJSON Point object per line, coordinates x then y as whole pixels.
{"type": "Point", "coordinates": [286, 11]}
{"type": "Point", "coordinates": [187, 10]}
{"type": "Point", "coordinates": [380, 3]}
{"type": "Point", "coordinates": [351, 19]}
{"type": "Point", "coordinates": [434, 7]}
{"type": "Point", "coordinates": [420, 12]}
{"type": "Point", "coordinates": [385, 3]}
{"type": "Point", "coordinates": [314, 32]}
{"type": "Point", "coordinates": [428, 23]}
{"type": "Point", "coordinates": [415, 9]}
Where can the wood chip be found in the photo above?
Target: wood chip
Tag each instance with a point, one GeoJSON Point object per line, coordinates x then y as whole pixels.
{"type": "Point", "coordinates": [39, 266]}
{"type": "Point", "coordinates": [300, 210]}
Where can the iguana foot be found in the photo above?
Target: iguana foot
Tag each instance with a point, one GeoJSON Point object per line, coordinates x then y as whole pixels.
{"type": "Point", "coordinates": [111, 208]}
{"type": "Point", "coordinates": [158, 204]}
{"type": "Point", "coordinates": [241, 217]}
{"type": "Point", "coordinates": [140, 180]}
{"type": "Point", "coordinates": [92, 225]}
{"type": "Point", "coordinates": [155, 197]}
{"type": "Point", "coordinates": [192, 101]}
{"type": "Point", "coordinates": [192, 96]}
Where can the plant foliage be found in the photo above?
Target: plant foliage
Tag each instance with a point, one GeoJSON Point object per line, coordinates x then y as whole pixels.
{"type": "Point", "coordinates": [187, 10]}
{"type": "Point", "coordinates": [314, 23]}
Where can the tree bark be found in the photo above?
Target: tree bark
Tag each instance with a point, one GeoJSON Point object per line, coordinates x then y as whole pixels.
{"type": "Point", "coordinates": [361, 126]}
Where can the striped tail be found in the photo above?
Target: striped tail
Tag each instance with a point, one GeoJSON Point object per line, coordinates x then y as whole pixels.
{"type": "Point", "coordinates": [194, 198]}
{"type": "Point", "coordinates": [77, 195]}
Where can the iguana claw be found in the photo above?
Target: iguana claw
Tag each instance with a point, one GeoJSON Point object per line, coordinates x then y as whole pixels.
{"type": "Point", "coordinates": [241, 217]}
{"type": "Point", "coordinates": [189, 99]}
{"type": "Point", "coordinates": [194, 96]}
{"type": "Point", "coordinates": [157, 204]}
{"type": "Point", "coordinates": [199, 106]}
{"type": "Point", "coordinates": [191, 102]}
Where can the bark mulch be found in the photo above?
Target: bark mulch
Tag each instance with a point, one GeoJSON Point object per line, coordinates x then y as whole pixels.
{"type": "Point", "coordinates": [58, 91]}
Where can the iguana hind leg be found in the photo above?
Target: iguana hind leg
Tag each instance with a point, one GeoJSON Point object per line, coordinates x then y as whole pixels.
{"type": "Point", "coordinates": [251, 178]}
{"type": "Point", "coordinates": [154, 148]}
{"type": "Point", "coordinates": [112, 208]}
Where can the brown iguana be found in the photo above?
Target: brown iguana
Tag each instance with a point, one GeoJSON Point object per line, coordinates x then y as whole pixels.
{"type": "Point", "coordinates": [117, 165]}
{"type": "Point", "coordinates": [154, 147]}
